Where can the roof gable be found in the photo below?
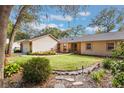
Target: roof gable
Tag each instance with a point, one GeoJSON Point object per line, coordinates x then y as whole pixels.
{"type": "Point", "coordinates": [32, 39]}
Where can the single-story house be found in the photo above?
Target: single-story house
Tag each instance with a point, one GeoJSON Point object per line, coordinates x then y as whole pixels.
{"type": "Point", "coordinates": [97, 44]}
{"type": "Point", "coordinates": [39, 44]}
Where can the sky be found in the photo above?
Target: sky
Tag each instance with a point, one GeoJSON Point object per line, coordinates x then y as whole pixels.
{"type": "Point", "coordinates": [56, 19]}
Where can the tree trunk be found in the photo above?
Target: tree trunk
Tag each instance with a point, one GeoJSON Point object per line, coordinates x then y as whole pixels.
{"type": "Point", "coordinates": [4, 15]}
{"type": "Point", "coordinates": [14, 30]}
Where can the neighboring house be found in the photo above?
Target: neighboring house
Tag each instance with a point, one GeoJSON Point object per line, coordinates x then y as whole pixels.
{"type": "Point", "coordinates": [17, 44]}
{"type": "Point", "coordinates": [39, 44]}
{"type": "Point", "coordinates": [98, 44]}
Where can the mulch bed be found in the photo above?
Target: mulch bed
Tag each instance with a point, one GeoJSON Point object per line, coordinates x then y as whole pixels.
{"type": "Point", "coordinates": [16, 81]}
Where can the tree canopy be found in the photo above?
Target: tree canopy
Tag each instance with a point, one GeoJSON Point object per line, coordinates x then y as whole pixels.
{"type": "Point", "coordinates": [108, 19]}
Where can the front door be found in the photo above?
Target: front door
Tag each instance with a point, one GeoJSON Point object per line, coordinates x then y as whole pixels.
{"type": "Point", "coordinates": [74, 47]}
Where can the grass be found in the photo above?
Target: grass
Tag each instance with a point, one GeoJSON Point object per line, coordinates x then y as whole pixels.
{"type": "Point", "coordinates": [64, 62]}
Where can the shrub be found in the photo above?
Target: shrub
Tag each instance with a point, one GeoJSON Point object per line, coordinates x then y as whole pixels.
{"type": "Point", "coordinates": [36, 70]}
{"type": "Point", "coordinates": [118, 80]}
{"type": "Point", "coordinates": [119, 51]}
{"type": "Point", "coordinates": [121, 66]}
{"type": "Point", "coordinates": [114, 68]}
{"type": "Point", "coordinates": [117, 67]}
{"type": "Point", "coordinates": [11, 69]}
{"type": "Point", "coordinates": [52, 52]}
{"type": "Point", "coordinates": [107, 63]}
{"type": "Point", "coordinates": [98, 75]}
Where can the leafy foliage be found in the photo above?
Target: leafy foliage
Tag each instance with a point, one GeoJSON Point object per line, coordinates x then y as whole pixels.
{"type": "Point", "coordinates": [119, 51]}
{"type": "Point", "coordinates": [118, 80]}
{"type": "Point", "coordinates": [98, 75]}
{"type": "Point", "coordinates": [77, 31]}
{"type": "Point", "coordinates": [117, 67]}
{"type": "Point", "coordinates": [53, 31]}
{"type": "Point", "coordinates": [107, 63]}
{"type": "Point", "coordinates": [11, 69]}
{"type": "Point", "coordinates": [108, 19]}
{"type": "Point", "coordinates": [52, 52]}
{"type": "Point", "coordinates": [36, 70]}
{"type": "Point", "coordinates": [21, 35]}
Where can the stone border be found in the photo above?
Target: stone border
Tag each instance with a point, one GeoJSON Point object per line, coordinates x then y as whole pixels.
{"type": "Point", "coordinates": [77, 72]}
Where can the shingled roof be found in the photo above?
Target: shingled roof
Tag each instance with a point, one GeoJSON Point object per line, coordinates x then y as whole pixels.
{"type": "Point", "coordinates": [96, 37]}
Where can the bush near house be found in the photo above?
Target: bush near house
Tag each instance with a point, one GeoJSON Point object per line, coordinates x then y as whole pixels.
{"type": "Point", "coordinates": [107, 63]}
{"type": "Point", "coordinates": [118, 80]}
{"type": "Point", "coordinates": [116, 65]}
{"type": "Point", "coordinates": [36, 70]}
{"type": "Point", "coordinates": [52, 52]}
{"type": "Point", "coordinates": [117, 70]}
{"type": "Point", "coordinates": [10, 69]}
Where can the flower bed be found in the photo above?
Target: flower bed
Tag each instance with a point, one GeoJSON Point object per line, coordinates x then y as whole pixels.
{"type": "Point", "coordinates": [52, 52]}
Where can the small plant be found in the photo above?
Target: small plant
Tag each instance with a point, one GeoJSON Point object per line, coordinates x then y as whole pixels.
{"type": "Point", "coordinates": [36, 70]}
{"type": "Point", "coordinates": [11, 69]}
{"type": "Point", "coordinates": [98, 75]}
{"type": "Point", "coordinates": [107, 63]}
{"type": "Point", "coordinates": [118, 80]}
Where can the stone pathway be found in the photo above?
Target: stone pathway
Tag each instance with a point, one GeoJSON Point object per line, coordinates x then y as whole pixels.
{"type": "Point", "coordinates": [70, 81]}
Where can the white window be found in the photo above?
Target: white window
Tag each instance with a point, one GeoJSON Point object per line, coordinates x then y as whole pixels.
{"type": "Point", "coordinates": [88, 46]}
{"type": "Point", "coordinates": [110, 46]}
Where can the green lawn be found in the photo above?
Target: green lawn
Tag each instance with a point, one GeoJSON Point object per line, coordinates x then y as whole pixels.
{"type": "Point", "coordinates": [64, 62]}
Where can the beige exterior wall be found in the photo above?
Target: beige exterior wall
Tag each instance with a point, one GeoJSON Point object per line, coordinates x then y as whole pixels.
{"type": "Point", "coordinates": [98, 48]}
{"type": "Point", "coordinates": [44, 44]}
{"type": "Point", "coordinates": [25, 47]}
{"type": "Point", "coordinates": [79, 47]}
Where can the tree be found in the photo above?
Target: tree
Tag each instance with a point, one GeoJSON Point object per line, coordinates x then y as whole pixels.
{"type": "Point", "coordinates": [9, 29]}
{"type": "Point", "coordinates": [120, 20]}
{"type": "Point", "coordinates": [4, 16]}
{"type": "Point", "coordinates": [51, 30]}
{"type": "Point", "coordinates": [64, 34]}
{"type": "Point", "coordinates": [56, 32]}
{"type": "Point", "coordinates": [77, 31]}
{"type": "Point", "coordinates": [108, 19]}
{"type": "Point", "coordinates": [21, 35]}
{"type": "Point", "coordinates": [24, 15]}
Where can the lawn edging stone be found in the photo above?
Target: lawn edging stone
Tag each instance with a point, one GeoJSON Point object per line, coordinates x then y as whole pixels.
{"type": "Point", "coordinates": [77, 72]}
